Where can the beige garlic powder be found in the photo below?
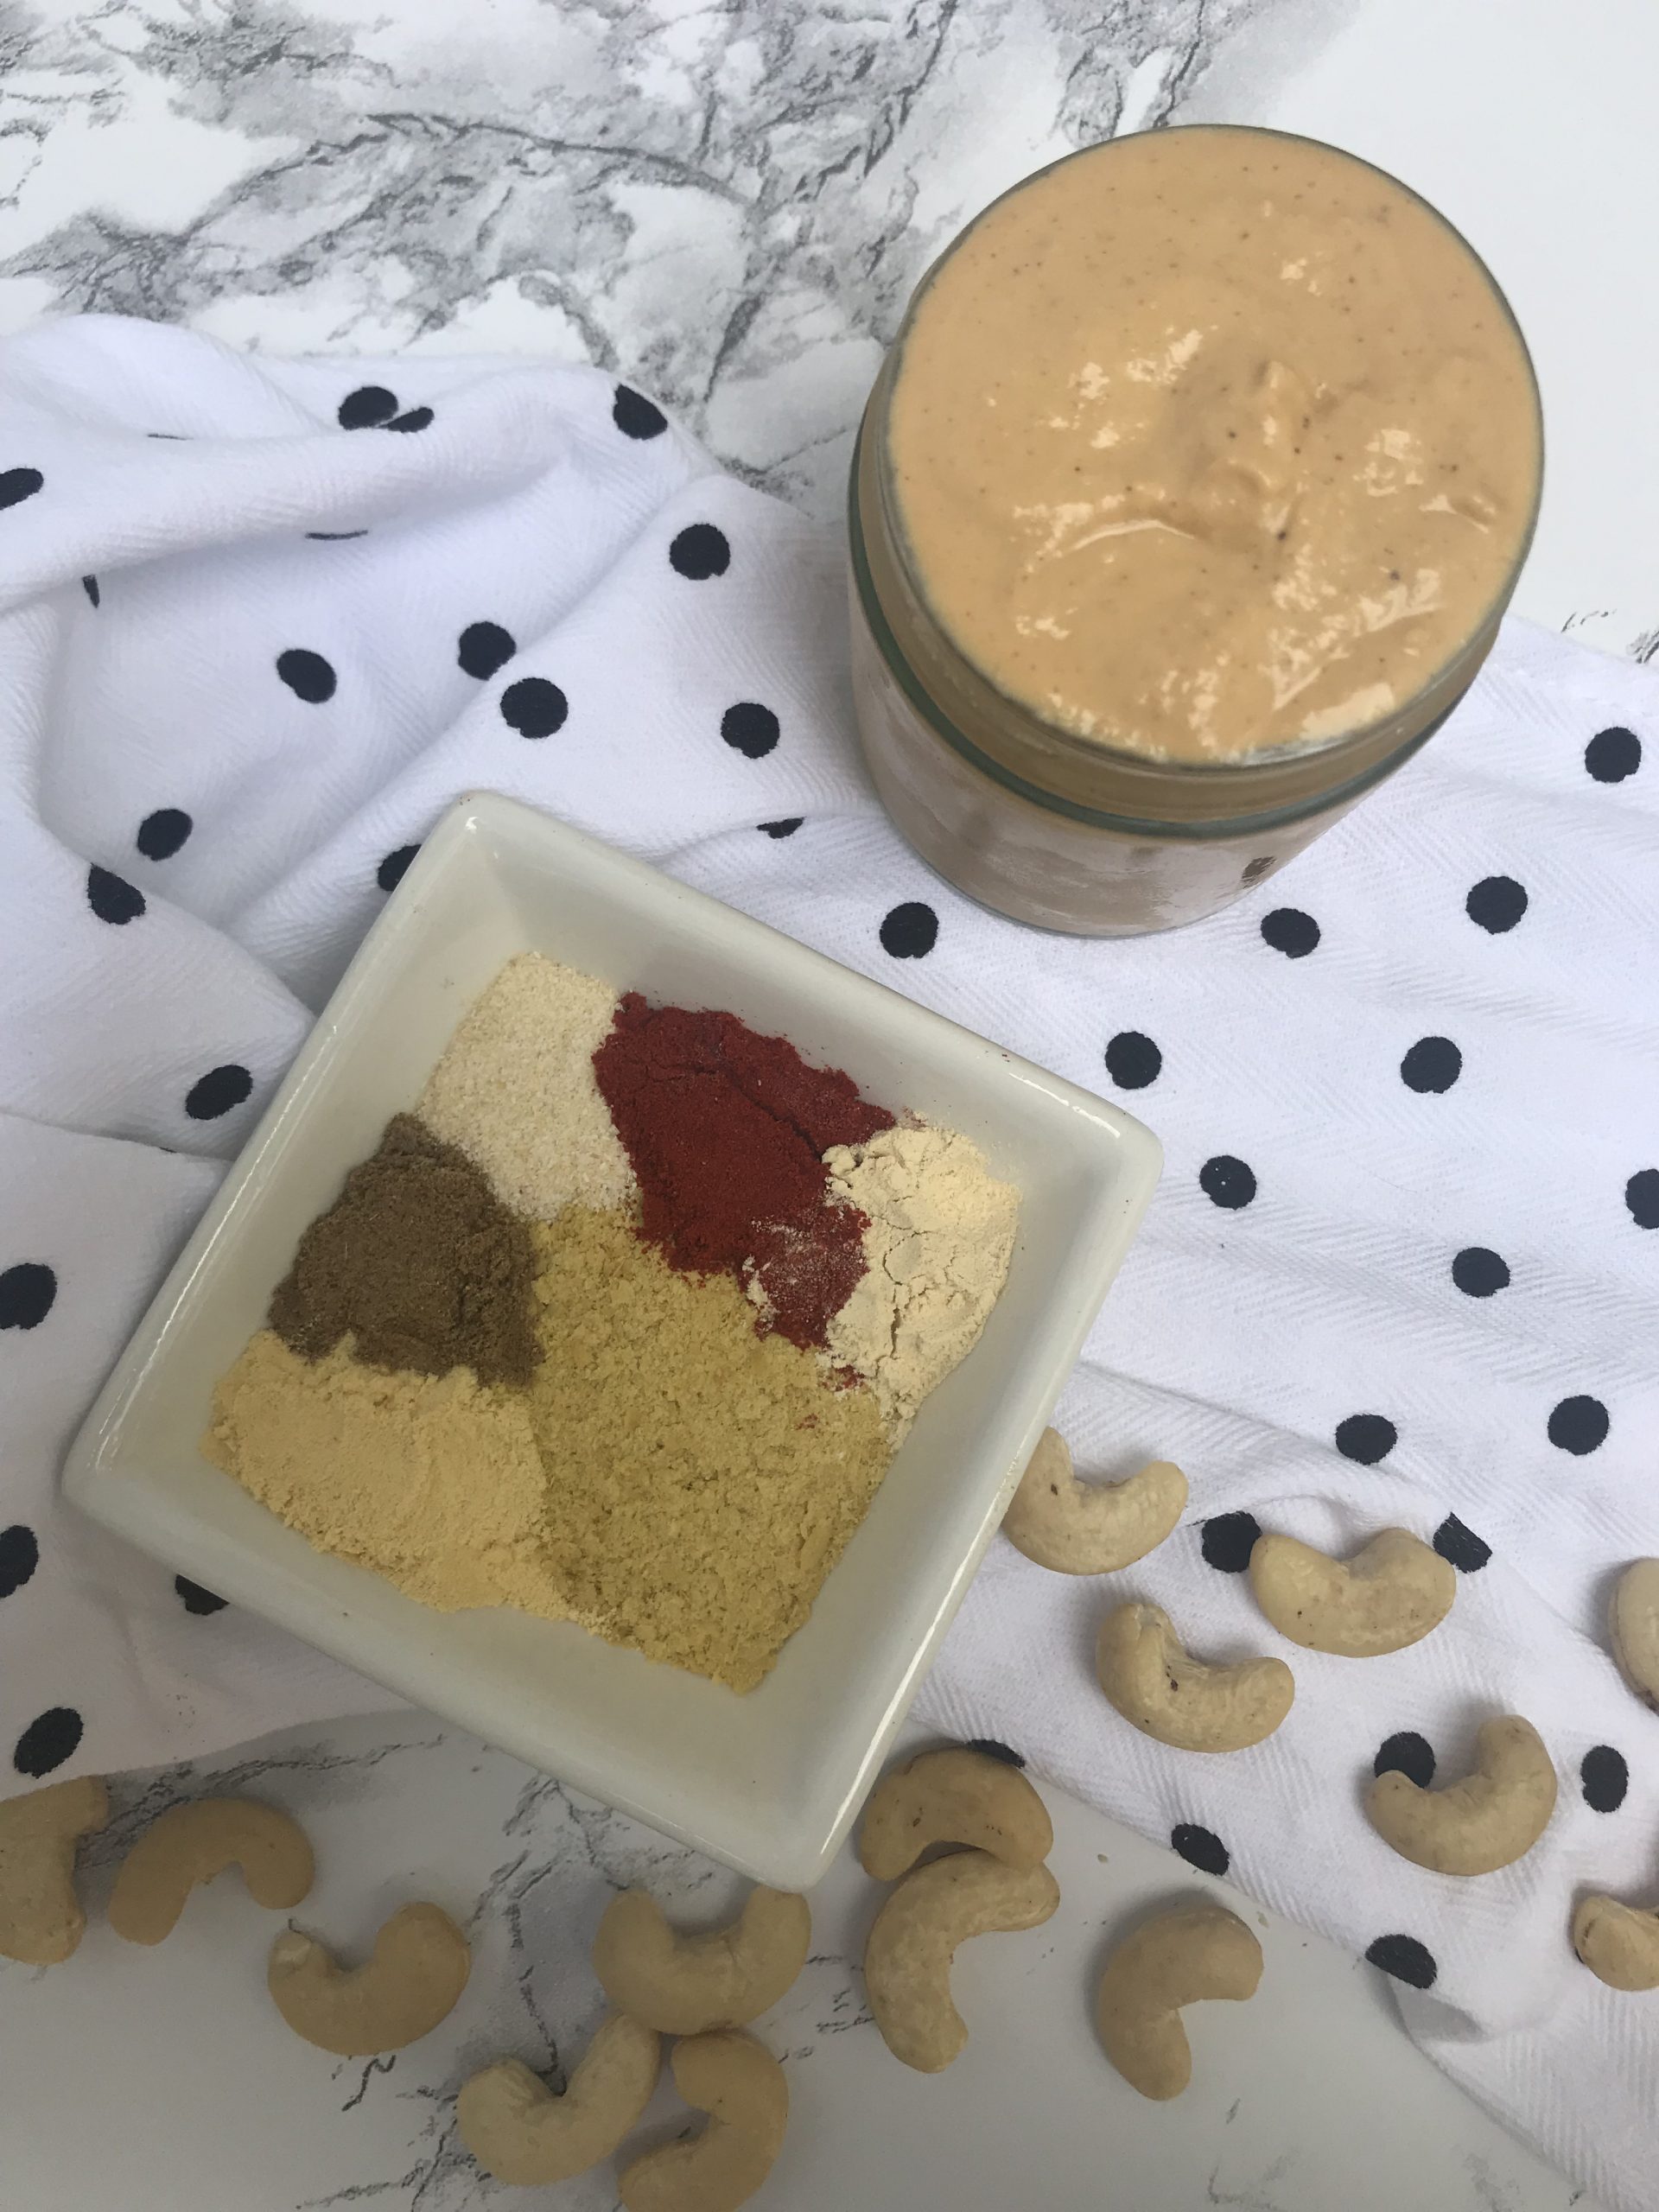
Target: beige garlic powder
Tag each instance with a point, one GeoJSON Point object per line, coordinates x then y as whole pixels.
{"type": "Point", "coordinates": [515, 1091]}
{"type": "Point", "coordinates": [937, 1255]}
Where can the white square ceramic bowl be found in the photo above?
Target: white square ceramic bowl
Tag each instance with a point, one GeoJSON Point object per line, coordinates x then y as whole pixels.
{"type": "Point", "coordinates": [768, 1783]}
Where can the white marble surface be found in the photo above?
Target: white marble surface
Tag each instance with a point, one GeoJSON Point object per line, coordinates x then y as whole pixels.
{"type": "Point", "coordinates": [163, 2080]}
{"type": "Point", "coordinates": [726, 201]}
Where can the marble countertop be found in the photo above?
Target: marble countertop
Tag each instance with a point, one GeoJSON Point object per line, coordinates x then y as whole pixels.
{"type": "Point", "coordinates": [727, 202]}
{"type": "Point", "coordinates": [203, 2099]}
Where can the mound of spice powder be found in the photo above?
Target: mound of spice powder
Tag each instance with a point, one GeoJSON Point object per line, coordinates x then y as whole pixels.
{"type": "Point", "coordinates": [726, 1130]}
{"type": "Point", "coordinates": [419, 1263]}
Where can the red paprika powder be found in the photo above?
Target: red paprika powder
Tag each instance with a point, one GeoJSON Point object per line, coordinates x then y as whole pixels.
{"type": "Point", "coordinates": [725, 1129]}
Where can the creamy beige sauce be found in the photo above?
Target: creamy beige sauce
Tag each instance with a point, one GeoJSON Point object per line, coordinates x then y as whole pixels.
{"type": "Point", "coordinates": [1207, 440]}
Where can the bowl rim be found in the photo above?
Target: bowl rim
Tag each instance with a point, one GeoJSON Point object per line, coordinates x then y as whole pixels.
{"type": "Point", "coordinates": [801, 1838]}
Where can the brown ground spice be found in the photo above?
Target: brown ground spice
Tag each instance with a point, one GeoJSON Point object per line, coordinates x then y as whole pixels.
{"type": "Point", "coordinates": [420, 1262]}
{"type": "Point", "coordinates": [702, 1480]}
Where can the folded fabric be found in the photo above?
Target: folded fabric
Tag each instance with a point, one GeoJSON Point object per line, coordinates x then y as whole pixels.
{"type": "Point", "coordinates": [261, 621]}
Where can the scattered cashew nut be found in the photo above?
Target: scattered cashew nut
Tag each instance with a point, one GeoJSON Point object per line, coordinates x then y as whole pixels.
{"type": "Point", "coordinates": [1619, 1943]}
{"type": "Point", "coordinates": [1389, 1594]}
{"type": "Point", "coordinates": [1195, 1951]}
{"type": "Point", "coordinates": [518, 2131]}
{"type": "Point", "coordinates": [1489, 1819]}
{"type": "Point", "coordinates": [687, 1984]}
{"type": "Point", "coordinates": [191, 1844]}
{"type": "Point", "coordinates": [408, 1982]}
{"type": "Point", "coordinates": [908, 1954]}
{"type": "Point", "coordinates": [1636, 1628]}
{"type": "Point", "coordinates": [1091, 1528]}
{"type": "Point", "coordinates": [41, 1916]}
{"type": "Point", "coordinates": [742, 2086]}
{"type": "Point", "coordinates": [954, 1795]}
{"type": "Point", "coordinates": [1167, 1694]}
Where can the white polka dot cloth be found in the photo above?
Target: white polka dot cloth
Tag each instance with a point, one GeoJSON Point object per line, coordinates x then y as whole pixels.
{"type": "Point", "coordinates": [263, 620]}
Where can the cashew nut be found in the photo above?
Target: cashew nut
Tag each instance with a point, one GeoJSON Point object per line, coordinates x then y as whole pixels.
{"type": "Point", "coordinates": [41, 1918]}
{"type": "Point", "coordinates": [408, 1982]}
{"type": "Point", "coordinates": [191, 1844]}
{"type": "Point", "coordinates": [1619, 1943]}
{"type": "Point", "coordinates": [686, 1985]}
{"type": "Point", "coordinates": [1195, 1951]}
{"type": "Point", "coordinates": [518, 2131]}
{"type": "Point", "coordinates": [913, 1938]}
{"type": "Point", "coordinates": [1489, 1819]}
{"type": "Point", "coordinates": [1169, 1694]}
{"type": "Point", "coordinates": [1388, 1595]}
{"type": "Point", "coordinates": [741, 2088]}
{"type": "Point", "coordinates": [956, 1796]}
{"type": "Point", "coordinates": [1091, 1528]}
{"type": "Point", "coordinates": [1636, 1628]}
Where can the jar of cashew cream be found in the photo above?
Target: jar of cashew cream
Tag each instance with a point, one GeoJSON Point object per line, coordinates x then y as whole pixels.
{"type": "Point", "coordinates": [1184, 510]}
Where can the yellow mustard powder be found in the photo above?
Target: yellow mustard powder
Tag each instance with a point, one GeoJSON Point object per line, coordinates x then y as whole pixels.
{"type": "Point", "coordinates": [433, 1481]}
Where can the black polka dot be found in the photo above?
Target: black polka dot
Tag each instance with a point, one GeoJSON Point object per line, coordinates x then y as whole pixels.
{"type": "Point", "coordinates": [909, 932]}
{"type": "Point", "coordinates": [1254, 870]}
{"type": "Point", "coordinates": [218, 1092]}
{"type": "Point", "coordinates": [1605, 1778]}
{"type": "Point", "coordinates": [417, 419]}
{"type": "Point", "coordinates": [1289, 931]}
{"type": "Point", "coordinates": [196, 1600]}
{"type": "Point", "coordinates": [1366, 1438]}
{"type": "Point", "coordinates": [634, 415]}
{"type": "Point", "coordinates": [17, 485]}
{"type": "Point", "coordinates": [370, 404]}
{"type": "Point", "coordinates": [27, 1295]}
{"type": "Point", "coordinates": [749, 729]}
{"type": "Point", "coordinates": [1579, 1425]}
{"type": "Point", "coordinates": [1642, 1196]}
{"type": "Point", "coordinates": [393, 869]}
{"type": "Point", "coordinates": [1432, 1063]}
{"type": "Point", "coordinates": [1228, 1540]}
{"type": "Point", "coordinates": [1133, 1061]}
{"type": "Point", "coordinates": [484, 646]}
{"type": "Point", "coordinates": [700, 552]}
{"type": "Point", "coordinates": [1611, 755]}
{"type": "Point", "coordinates": [19, 1555]}
{"type": "Point", "coordinates": [112, 898]}
{"type": "Point", "coordinates": [1497, 903]}
{"type": "Point", "coordinates": [1406, 1959]}
{"type": "Point", "coordinates": [48, 1741]}
{"type": "Point", "coordinates": [785, 828]}
{"type": "Point", "coordinates": [1479, 1272]}
{"type": "Point", "coordinates": [306, 675]}
{"type": "Point", "coordinates": [993, 1749]}
{"type": "Point", "coordinates": [89, 585]}
{"type": "Point", "coordinates": [1460, 1545]}
{"type": "Point", "coordinates": [1227, 1182]}
{"type": "Point", "coordinates": [1200, 1847]}
{"type": "Point", "coordinates": [534, 707]}
{"type": "Point", "coordinates": [161, 834]}
{"type": "Point", "coordinates": [1409, 1754]}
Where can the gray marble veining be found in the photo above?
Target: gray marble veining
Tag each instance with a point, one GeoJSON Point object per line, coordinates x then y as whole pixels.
{"type": "Point", "coordinates": [728, 202]}
{"type": "Point", "coordinates": [1291, 2111]}
{"type": "Point", "coordinates": [538, 1864]}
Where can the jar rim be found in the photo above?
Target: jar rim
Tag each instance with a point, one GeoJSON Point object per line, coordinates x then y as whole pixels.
{"type": "Point", "coordinates": [1326, 797]}
{"type": "Point", "coordinates": [1263, 762]}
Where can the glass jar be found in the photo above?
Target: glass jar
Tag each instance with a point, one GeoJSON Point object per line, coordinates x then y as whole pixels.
{"type": "Point", "coordinates": [1064, 831]}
